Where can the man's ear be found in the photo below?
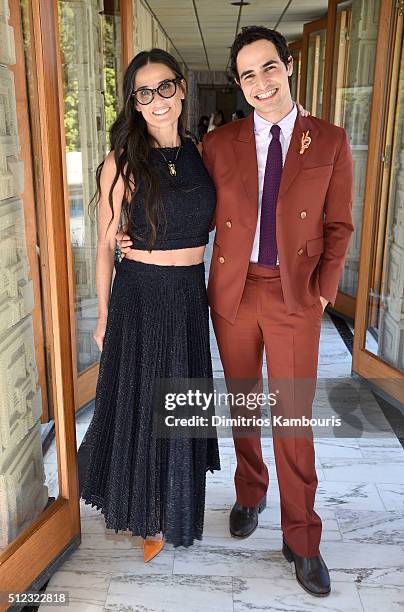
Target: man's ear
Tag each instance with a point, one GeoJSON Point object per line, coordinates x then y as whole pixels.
{"type": "Point", "coordinates": [290, 66]}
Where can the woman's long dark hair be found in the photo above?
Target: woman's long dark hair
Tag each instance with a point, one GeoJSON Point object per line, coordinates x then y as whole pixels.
{"type": "Point", "coordinates": [132, 144]}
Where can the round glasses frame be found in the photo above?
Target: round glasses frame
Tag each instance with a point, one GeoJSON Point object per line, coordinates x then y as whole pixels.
{"type": "Point", "coordinates": [156, 90]}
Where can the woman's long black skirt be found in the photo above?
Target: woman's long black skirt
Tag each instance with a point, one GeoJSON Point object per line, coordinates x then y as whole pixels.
{"type": "Point", "coordinates": [157, 327]}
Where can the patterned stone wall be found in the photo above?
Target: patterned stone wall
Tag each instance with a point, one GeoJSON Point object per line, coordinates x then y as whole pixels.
{"type": "Point", "coordinates": [147, 34]}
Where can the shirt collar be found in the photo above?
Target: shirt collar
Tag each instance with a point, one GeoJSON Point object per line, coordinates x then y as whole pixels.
{"type": "Point", "coordinates": [262, 126]}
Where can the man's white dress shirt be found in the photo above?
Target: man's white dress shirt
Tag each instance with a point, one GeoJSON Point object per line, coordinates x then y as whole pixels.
{"type": "Point", "coordinates": [263, 136]}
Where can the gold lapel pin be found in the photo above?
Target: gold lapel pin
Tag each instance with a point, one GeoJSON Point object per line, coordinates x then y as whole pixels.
{"type": "Point", "coordinates": [306, 140]}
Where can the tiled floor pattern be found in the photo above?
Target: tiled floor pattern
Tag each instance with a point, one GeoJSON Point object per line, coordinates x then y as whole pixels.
{"type": "Point", "coordinates": [360, 498]}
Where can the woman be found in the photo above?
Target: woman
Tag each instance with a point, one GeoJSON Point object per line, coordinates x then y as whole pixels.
{"type": "Point", "coordinates": [154, 324]}
{"type": "Point", "coordinates": [203, 125]}
{"type": "Point", "coordinates": [216, 120]}
{"type": "Point", "coordinates": [238, 114]}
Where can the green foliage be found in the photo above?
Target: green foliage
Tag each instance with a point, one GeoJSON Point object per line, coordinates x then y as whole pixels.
{"type": "Point", "coordinates": [67, 28]}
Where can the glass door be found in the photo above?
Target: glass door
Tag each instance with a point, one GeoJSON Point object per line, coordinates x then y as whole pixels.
{"type": "Point", "coordinates": [91, 51]}
{"type": "Point", "coordinates": [26, 482]}
{"type": "Point", "coordinates": [379, 343]}
{"type": "Point", "coordinates": [353, 34]}
{"type": "Point", "coordinates": [39, 510]}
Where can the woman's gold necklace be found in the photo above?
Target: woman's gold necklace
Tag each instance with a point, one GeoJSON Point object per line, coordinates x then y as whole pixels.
{"type": "Point", "coordinates": [171, 164]}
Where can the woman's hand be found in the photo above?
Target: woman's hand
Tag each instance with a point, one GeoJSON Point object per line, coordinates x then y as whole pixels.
{"type": "Point", "coordinates": [99, 331]}
{"type": "Point", "coordinates": [123, 241]}
{"type": "Point", "coordinates": [302, 111]}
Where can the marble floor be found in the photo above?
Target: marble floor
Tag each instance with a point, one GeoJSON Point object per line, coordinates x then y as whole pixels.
{"type": "Point", "coordinates": [360, 498]}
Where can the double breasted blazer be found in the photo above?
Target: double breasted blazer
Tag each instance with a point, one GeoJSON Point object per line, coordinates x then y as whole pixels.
{"type": "Point", "coordinates": [313, 214]}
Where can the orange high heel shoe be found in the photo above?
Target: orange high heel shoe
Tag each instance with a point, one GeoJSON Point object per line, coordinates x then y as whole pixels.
{"type": "Point", "coordinates": [151, 548]}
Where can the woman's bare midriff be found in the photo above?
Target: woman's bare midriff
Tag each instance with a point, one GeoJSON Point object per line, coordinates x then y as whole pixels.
{"type": "Point", "coordinates": [176, 257]}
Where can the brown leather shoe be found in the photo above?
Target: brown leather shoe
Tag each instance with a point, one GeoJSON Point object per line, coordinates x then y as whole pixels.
{"type": "Point", "coordinates": [151, 548]}
{"type": "Point", "coordinates": [311, 572]}
{"type": "Point", "coordinates": [243, 520]}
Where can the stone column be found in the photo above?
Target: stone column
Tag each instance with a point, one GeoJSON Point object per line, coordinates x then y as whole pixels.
{"type": "Point", "coordinates": [193, 103]}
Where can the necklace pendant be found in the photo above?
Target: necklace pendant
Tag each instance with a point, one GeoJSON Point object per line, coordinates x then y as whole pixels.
{"type": "Point", "coordinates": [172, 169]}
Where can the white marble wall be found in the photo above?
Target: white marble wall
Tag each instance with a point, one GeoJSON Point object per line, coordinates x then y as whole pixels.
{"type": "Point", "coordinates": [147, 34]}
{"type": "Point", "coordinates": [146, 31]}
{"type": "Point", "coordinates": [143, 27]}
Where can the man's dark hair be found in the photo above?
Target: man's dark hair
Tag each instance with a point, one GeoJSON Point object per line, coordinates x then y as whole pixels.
{"type": "Point", "coordinates": [250, 34]}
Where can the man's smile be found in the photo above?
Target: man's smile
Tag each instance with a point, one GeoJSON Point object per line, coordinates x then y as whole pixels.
{"type": "Point", "coordinates": [267, 94]}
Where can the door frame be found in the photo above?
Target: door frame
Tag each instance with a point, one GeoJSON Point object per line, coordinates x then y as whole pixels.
{"type": "Point", "coordinates": [27, 558]}
{"type": "Point", "coordinates": [58, 526]}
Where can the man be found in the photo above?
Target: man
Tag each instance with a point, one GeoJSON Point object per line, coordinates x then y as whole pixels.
{"type": "Point", "coordinates": [283, 224]}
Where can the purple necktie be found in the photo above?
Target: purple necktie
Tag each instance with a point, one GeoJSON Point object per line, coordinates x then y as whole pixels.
{"type": "Point", "coordinates": [268, 251]}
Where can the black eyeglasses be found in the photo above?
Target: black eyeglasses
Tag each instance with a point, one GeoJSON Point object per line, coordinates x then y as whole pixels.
{"type": "Point", "coordinates": [166, 89]}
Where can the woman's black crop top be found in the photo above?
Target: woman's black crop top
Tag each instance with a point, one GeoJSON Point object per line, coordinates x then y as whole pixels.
{"type": "Point", "coordinates": [188, 199]}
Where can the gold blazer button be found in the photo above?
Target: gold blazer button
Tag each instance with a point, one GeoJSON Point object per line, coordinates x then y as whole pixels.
{"type": "Point", "coordinates": [303, 214]}
{"type": "Point", "coordinates": [228, 223]}
{"type": "Point", "coordinates": [221, 259]}
{"type": "Point", "coordinates": [300, 252]}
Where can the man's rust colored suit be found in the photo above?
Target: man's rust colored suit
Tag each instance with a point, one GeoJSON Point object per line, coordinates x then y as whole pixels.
{"type": "Point", "coordinates": [254, 307]}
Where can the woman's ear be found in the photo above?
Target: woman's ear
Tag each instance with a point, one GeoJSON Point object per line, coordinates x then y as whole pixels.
{"type": "Point", "coordinates": [183, 86]}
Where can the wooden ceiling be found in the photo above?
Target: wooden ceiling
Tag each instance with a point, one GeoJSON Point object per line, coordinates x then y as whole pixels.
{"type": "Point", "coordinates": [203, 30]}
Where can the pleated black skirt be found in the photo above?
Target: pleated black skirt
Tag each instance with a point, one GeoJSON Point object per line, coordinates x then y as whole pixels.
{"type": "Point", "coordinates": [157, 327]}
